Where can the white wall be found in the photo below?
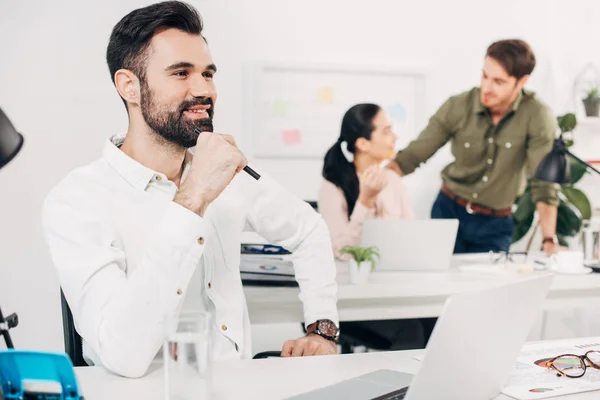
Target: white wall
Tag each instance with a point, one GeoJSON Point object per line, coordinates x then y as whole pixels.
{"type": "Point", "coordinates": [55, 86]}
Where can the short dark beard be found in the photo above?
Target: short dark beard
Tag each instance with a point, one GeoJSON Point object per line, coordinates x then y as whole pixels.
{"type": "Point", "coordinates": [171, 125]}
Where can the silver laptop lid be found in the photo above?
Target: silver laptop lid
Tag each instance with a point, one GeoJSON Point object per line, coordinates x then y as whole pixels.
{"type": "Point", "coordinates": [411, 245]}
{"type": "Point", "coordinates": [477, 339]}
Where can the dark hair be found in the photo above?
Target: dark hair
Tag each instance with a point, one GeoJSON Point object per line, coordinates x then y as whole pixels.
{"type": "Point", "coordinates": [357, 123]}
{"type": "Point", "coordinates": [131, 36]}
{"type": "Point", "coordinates": [514, 55]}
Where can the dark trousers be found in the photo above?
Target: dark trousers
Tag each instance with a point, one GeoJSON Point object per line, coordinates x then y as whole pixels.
{"type": "Point", "coordinates": [476, 233]}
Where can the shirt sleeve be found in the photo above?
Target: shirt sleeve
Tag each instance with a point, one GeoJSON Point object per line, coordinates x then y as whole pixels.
{"type": "Point", "coordinates": [119, 313]}
{"type": "Point", "coordinates": [542, 134]}
{"type": "Point", "coordinates": [334, 209]}
{"type": "Point", "coordinates": [285, 220]}
{"type": "Point", "coordinates": [435, 135]}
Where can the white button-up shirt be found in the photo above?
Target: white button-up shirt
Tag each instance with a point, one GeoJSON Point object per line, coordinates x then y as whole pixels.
{"type": "Point", "coordinates": [127, 256]}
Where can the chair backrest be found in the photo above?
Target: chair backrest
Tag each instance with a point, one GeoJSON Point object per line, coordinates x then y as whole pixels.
{"type": "Point", "coordinates": [73, 343]}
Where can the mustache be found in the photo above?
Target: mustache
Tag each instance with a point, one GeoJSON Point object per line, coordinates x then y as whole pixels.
{"type": "Point", "coordinates": [199, 101]}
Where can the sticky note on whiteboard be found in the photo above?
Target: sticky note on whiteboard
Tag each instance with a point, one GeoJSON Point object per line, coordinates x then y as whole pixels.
{"type": "Point", "coordinates": [291, 136]}
{"type": "Point", "coordinates": [280, 108]}
{"type": "Point", "coordinates": [326, 94]}
{"type": "Point", "coordinates": [397, 111]}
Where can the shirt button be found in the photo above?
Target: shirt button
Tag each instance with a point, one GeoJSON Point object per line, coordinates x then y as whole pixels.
{"type": "Point", "coordinates": [179, 291]}
{"type": "Point", "coordinates": [475, 195]}
{"type": "Point", "coordinates": [224, 327]}
{"type": "Point", "coordinates": [485, 178]}
{"type": "Point", "coordinates": [200, 240]}
{"type": "Point", "coordinates": [158, 178]}
{"type": "Point", "coordinates": [490, 161]}
{"type": "Point", "coordinates": [508, 145]}
{"type": "Point", "coordinates": [491, 140]}
{"type": "Point", "coordinates": [209, 285]}
{"type": "Point", "coordinates": [467, 145]}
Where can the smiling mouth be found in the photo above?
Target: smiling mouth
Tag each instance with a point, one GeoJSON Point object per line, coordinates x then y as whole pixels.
{"type": "Point", "coordinates": [197, 112]}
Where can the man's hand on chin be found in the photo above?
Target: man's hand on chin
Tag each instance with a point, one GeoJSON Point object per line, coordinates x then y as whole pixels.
{"type": "Point", "coordinates": [309, 345]}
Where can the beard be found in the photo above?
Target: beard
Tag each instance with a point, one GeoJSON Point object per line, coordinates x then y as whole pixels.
{"type": "Point", "coordinates": [172, 126]}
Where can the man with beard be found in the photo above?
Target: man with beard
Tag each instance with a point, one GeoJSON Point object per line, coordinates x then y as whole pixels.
{"type": "Point", "coordinates": [499, 133]}
{"type": "Point", "coordinates": [150, 229]}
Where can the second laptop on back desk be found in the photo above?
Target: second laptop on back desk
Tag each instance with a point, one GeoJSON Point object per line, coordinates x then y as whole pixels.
{"type": "Point", "coordinates": [411, 245]}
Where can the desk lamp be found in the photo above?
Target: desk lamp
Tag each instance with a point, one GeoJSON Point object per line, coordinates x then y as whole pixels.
{"type": "Point", "coordinates": [555, 166]}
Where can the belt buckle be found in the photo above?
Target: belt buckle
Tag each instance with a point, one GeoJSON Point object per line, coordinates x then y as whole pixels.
{"type": "Point", "coordinates": [469, 209]}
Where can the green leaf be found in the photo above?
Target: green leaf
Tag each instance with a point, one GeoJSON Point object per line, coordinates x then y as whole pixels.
{"type": "Point", "coordinates": [567, 122]}
{"type": "Point", "coordinates": [579, 200]}
{"type": "Point", "coordinates": [578, 170]}
{"type": "Point", "coordinates": [525, 207]}
{"type": "Point", "coordinates": [362, 254]}
{"type": "Point", "coordinates": [568, 222]}
{"type": "Point", "coordinates": [522, 227]}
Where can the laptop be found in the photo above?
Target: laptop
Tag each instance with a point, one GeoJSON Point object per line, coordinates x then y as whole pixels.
{"type": "Point", "coordinates": [406, 245]}
{"type": "Point", "coordinates": [470, 354]}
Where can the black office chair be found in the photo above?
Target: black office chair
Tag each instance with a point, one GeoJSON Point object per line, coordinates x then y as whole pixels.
{"type": "Point", "coordinates": [73, 343]}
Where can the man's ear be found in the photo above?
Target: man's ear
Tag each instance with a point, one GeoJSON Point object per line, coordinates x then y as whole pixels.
{"type": "Point", "coordinates": [128, 86]}
{"type": "Point", "coordinates": [521, 82]}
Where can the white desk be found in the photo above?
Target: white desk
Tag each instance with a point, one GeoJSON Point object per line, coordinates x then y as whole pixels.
{"type": "Point", "coordinates": [397, 295]}
{"type": "Point", "coordinates": [260, 379]}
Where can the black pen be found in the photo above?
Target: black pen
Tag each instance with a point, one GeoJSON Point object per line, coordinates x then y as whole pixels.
{"type": "Point", "coordinates": [248, 170]}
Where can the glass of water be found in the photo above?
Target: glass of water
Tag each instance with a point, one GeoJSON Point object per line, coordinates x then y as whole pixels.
{"type": "Point", "coordinates": [187, 357]}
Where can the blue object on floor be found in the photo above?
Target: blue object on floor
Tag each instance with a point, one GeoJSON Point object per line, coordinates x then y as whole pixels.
{"type": "Point", "coordinates": [37, 375]}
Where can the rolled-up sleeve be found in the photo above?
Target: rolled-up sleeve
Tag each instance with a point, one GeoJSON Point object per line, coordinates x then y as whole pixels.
{"type": "Point", "coordinates": [542, 133]}
{"type": "Point", "coordinates": [285, 220]}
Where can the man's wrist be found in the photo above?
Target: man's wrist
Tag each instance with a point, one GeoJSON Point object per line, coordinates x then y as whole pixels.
{"type": "Point", "coordinates": [194, 203]}
{"type": "Point", "coordinates": [325, 328]}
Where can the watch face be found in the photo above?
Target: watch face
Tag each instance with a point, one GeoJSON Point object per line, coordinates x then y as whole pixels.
{"type": "Point", "coordinates": [328, 328]}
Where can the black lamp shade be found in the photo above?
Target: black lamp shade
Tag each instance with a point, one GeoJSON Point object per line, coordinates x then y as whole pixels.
{"type": "Point", "coordinates": [11, 141]}
{"type": "Point", "coordinates": [555, 166]}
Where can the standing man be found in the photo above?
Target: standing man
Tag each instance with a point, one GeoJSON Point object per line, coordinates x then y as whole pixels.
{"type": "Point", "coordinates": [150, 228]}
{"type": "Point", "coordinates": [499, 133]}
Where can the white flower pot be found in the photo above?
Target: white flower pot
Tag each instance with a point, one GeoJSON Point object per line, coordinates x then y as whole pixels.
{"type": "Point", "coordinates": [359, 274]}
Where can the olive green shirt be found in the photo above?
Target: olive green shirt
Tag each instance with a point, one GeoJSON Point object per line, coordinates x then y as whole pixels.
{"type": "Point", "coordinates": [492, 162]}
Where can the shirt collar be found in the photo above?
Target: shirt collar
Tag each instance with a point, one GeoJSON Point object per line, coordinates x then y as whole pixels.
{"type": "Point", "coordinates": [480, 109]}
{"type": "Point", "coordinates": [132, 171]}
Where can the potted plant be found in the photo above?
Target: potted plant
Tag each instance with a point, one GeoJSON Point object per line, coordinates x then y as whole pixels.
{"type": "Point", "coordinates": [362, 263]}
{"type": "Point", "coordinates": [592, 102]}
{"type": "Point", "coordinates": [574, 206]}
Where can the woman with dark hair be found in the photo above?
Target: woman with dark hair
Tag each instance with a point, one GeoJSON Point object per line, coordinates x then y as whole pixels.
{"type": "Point", "coordinates": [356, 188]}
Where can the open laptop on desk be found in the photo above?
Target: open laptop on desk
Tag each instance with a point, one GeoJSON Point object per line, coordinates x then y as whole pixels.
{"type": "Point", "coordinates": [469, 355]}
{"type": "Point", "coordinates": [411, 245]}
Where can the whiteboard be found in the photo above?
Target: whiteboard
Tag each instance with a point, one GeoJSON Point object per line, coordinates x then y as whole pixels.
{"type": "Point", "coordinates": [296, 111]}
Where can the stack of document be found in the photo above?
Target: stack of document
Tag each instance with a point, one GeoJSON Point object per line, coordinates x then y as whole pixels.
{"type": "Point", "coordinates": [530, 379]}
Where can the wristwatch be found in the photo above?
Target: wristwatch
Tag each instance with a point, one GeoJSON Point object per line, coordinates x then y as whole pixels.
{"type": "Point", "coordinates": [325, 328]}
